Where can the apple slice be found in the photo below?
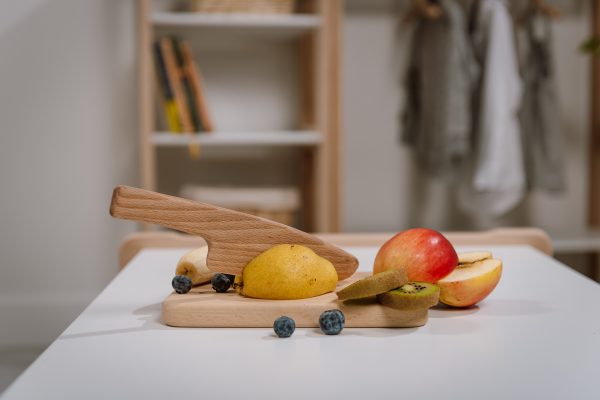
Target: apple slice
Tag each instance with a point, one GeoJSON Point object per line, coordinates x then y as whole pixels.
{"type": "Point", "coordinates": [470, 283]}
{"type": "Point", "coordinates": [474, 256]}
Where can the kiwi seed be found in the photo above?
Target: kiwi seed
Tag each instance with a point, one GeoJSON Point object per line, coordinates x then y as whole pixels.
{"type": "Point", "coordinates": [410, 296]}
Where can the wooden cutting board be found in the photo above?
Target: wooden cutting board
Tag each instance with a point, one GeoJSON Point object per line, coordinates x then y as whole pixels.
{"type": "Point", "coordinates": [202, 307]}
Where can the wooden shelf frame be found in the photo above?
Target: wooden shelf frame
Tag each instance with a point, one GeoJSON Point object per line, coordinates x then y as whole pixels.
{"type": "Point", "coordinates": [319, 138]}
{"type": "Point", "coordinates": [594, 140]}
{"type": "Point", "coordinates": [145, 101]}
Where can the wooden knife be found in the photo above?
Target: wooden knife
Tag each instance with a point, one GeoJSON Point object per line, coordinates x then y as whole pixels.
{"type": "Point", "coordinates": [233, 238]}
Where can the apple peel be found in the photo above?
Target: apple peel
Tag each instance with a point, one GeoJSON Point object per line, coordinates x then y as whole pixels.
{"type": "Point", "coordinates": [425, 254]}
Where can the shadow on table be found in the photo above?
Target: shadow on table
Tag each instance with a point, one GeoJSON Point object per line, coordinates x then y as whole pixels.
{"type": "Point", "coordinates": [364, 332]}
{"type": "Point", "coordinates": [492, 308]}
{"type": "Point", "coordinates": [150, 317]}
{"type": "Point", "coordinates": [513, 307]}
{"type": "Point", "coordinates": [368, 332]}
{"type": "Point", "coordinates": [444, 311]}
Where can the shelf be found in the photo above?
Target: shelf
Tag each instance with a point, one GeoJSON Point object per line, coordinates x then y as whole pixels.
{"type": "Point", "coordinates": [261, 71]}
{"type": "Point", "coordinates": [295, 22]}
{"type": "Point", "coordinates": [278, 138]}
{"type": "Point", "coordinates": [587, 241]}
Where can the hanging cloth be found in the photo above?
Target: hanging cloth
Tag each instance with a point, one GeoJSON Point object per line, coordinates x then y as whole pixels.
{"type": "Point", "coordinates": [495, 183]}
{"type": "Point", "coordinates": [439, 83]}
{"type": "Point", "coordinates": [543, 137]}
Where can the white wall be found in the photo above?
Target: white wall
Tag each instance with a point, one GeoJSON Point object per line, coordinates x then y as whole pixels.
{"type": "Point", "coordinates": [383, 190]}
{"type": "Point", "coordinates": [68, 135]}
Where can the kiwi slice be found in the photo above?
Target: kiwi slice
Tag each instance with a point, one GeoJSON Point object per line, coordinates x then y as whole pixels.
{"type": "Point", "coordinates": [410, 296]}
{"type": "Point", "coordinates": [474, 256]}
{"type": "Point", "coordinates": [374, 284]}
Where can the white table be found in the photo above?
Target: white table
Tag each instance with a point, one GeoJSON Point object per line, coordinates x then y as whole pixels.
{"type": "Point", "coordinates": [536, 337]}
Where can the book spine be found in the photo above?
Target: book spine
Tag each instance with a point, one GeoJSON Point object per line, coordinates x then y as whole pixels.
{"type": "Point", "coordinates": [165, 91]}
{"type": "Point", "coordinates": [187, 85]}
{"type": "Point", "coordinates": [196, 83]}
{"type": "Point", "coordinates": [168, 54]}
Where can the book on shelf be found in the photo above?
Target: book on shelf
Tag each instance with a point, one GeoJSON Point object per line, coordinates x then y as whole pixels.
{"type": "Point", "coordinates": [193, 73]}
{"type": "Point", "coordinates": [175, 81]}
{"type": "Point", "coordinates": [186, 84]}
{"type": "Point", "coordinates": [165, 93]}
{"type": "Point", "coordinates": [180, 86]}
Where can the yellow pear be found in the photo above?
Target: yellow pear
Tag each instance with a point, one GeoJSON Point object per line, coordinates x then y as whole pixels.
{"type": "Point", "coordinates": [286, 272]}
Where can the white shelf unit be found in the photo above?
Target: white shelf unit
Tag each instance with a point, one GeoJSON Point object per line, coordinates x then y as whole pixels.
{"type": "Point", "coordinates": [297, 22]}
{"type": "Point", "coordinates": [315, 34]}
{"type": "Point", "coordinates": [280, 138]}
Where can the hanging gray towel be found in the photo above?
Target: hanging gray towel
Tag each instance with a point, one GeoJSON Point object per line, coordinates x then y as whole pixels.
{"type": "Point", "coordinates": [542, 133]}
{"type": "Point", "coordinates": [439, 82]}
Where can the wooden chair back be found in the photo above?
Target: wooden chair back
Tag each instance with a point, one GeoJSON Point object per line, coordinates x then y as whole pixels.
{"type": "Point", "coordinates": [534, 237]}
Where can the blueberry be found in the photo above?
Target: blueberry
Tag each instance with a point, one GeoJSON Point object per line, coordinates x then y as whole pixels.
{"type": "Point", "coordinates": [284, 326]}
{"type": "Point", "coordinates": [332, 322]}
{"type": "Point", "coordinates": [231, 278]}
{"type": "Point", "coordinates": [182, 284]}
{"type": "Point", "coordinates": [341, 314]}
{"type": "Point", "coordinates": [220, 282]}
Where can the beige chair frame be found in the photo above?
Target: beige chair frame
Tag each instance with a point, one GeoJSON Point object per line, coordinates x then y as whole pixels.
{"type": "Point", "coordinates": [533, 237]}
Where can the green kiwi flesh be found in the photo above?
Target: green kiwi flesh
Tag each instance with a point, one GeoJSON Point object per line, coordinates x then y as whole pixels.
{"type": "Point", "coordinates": [410, 296]}
{"type": "Point", "coordinates": [374, 285]}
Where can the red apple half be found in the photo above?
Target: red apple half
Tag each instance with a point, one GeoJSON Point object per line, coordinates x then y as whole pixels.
{"type": "Point", "coordinates": [426, 255]}
{"type": "Point", "coordinates": [470, 283]}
